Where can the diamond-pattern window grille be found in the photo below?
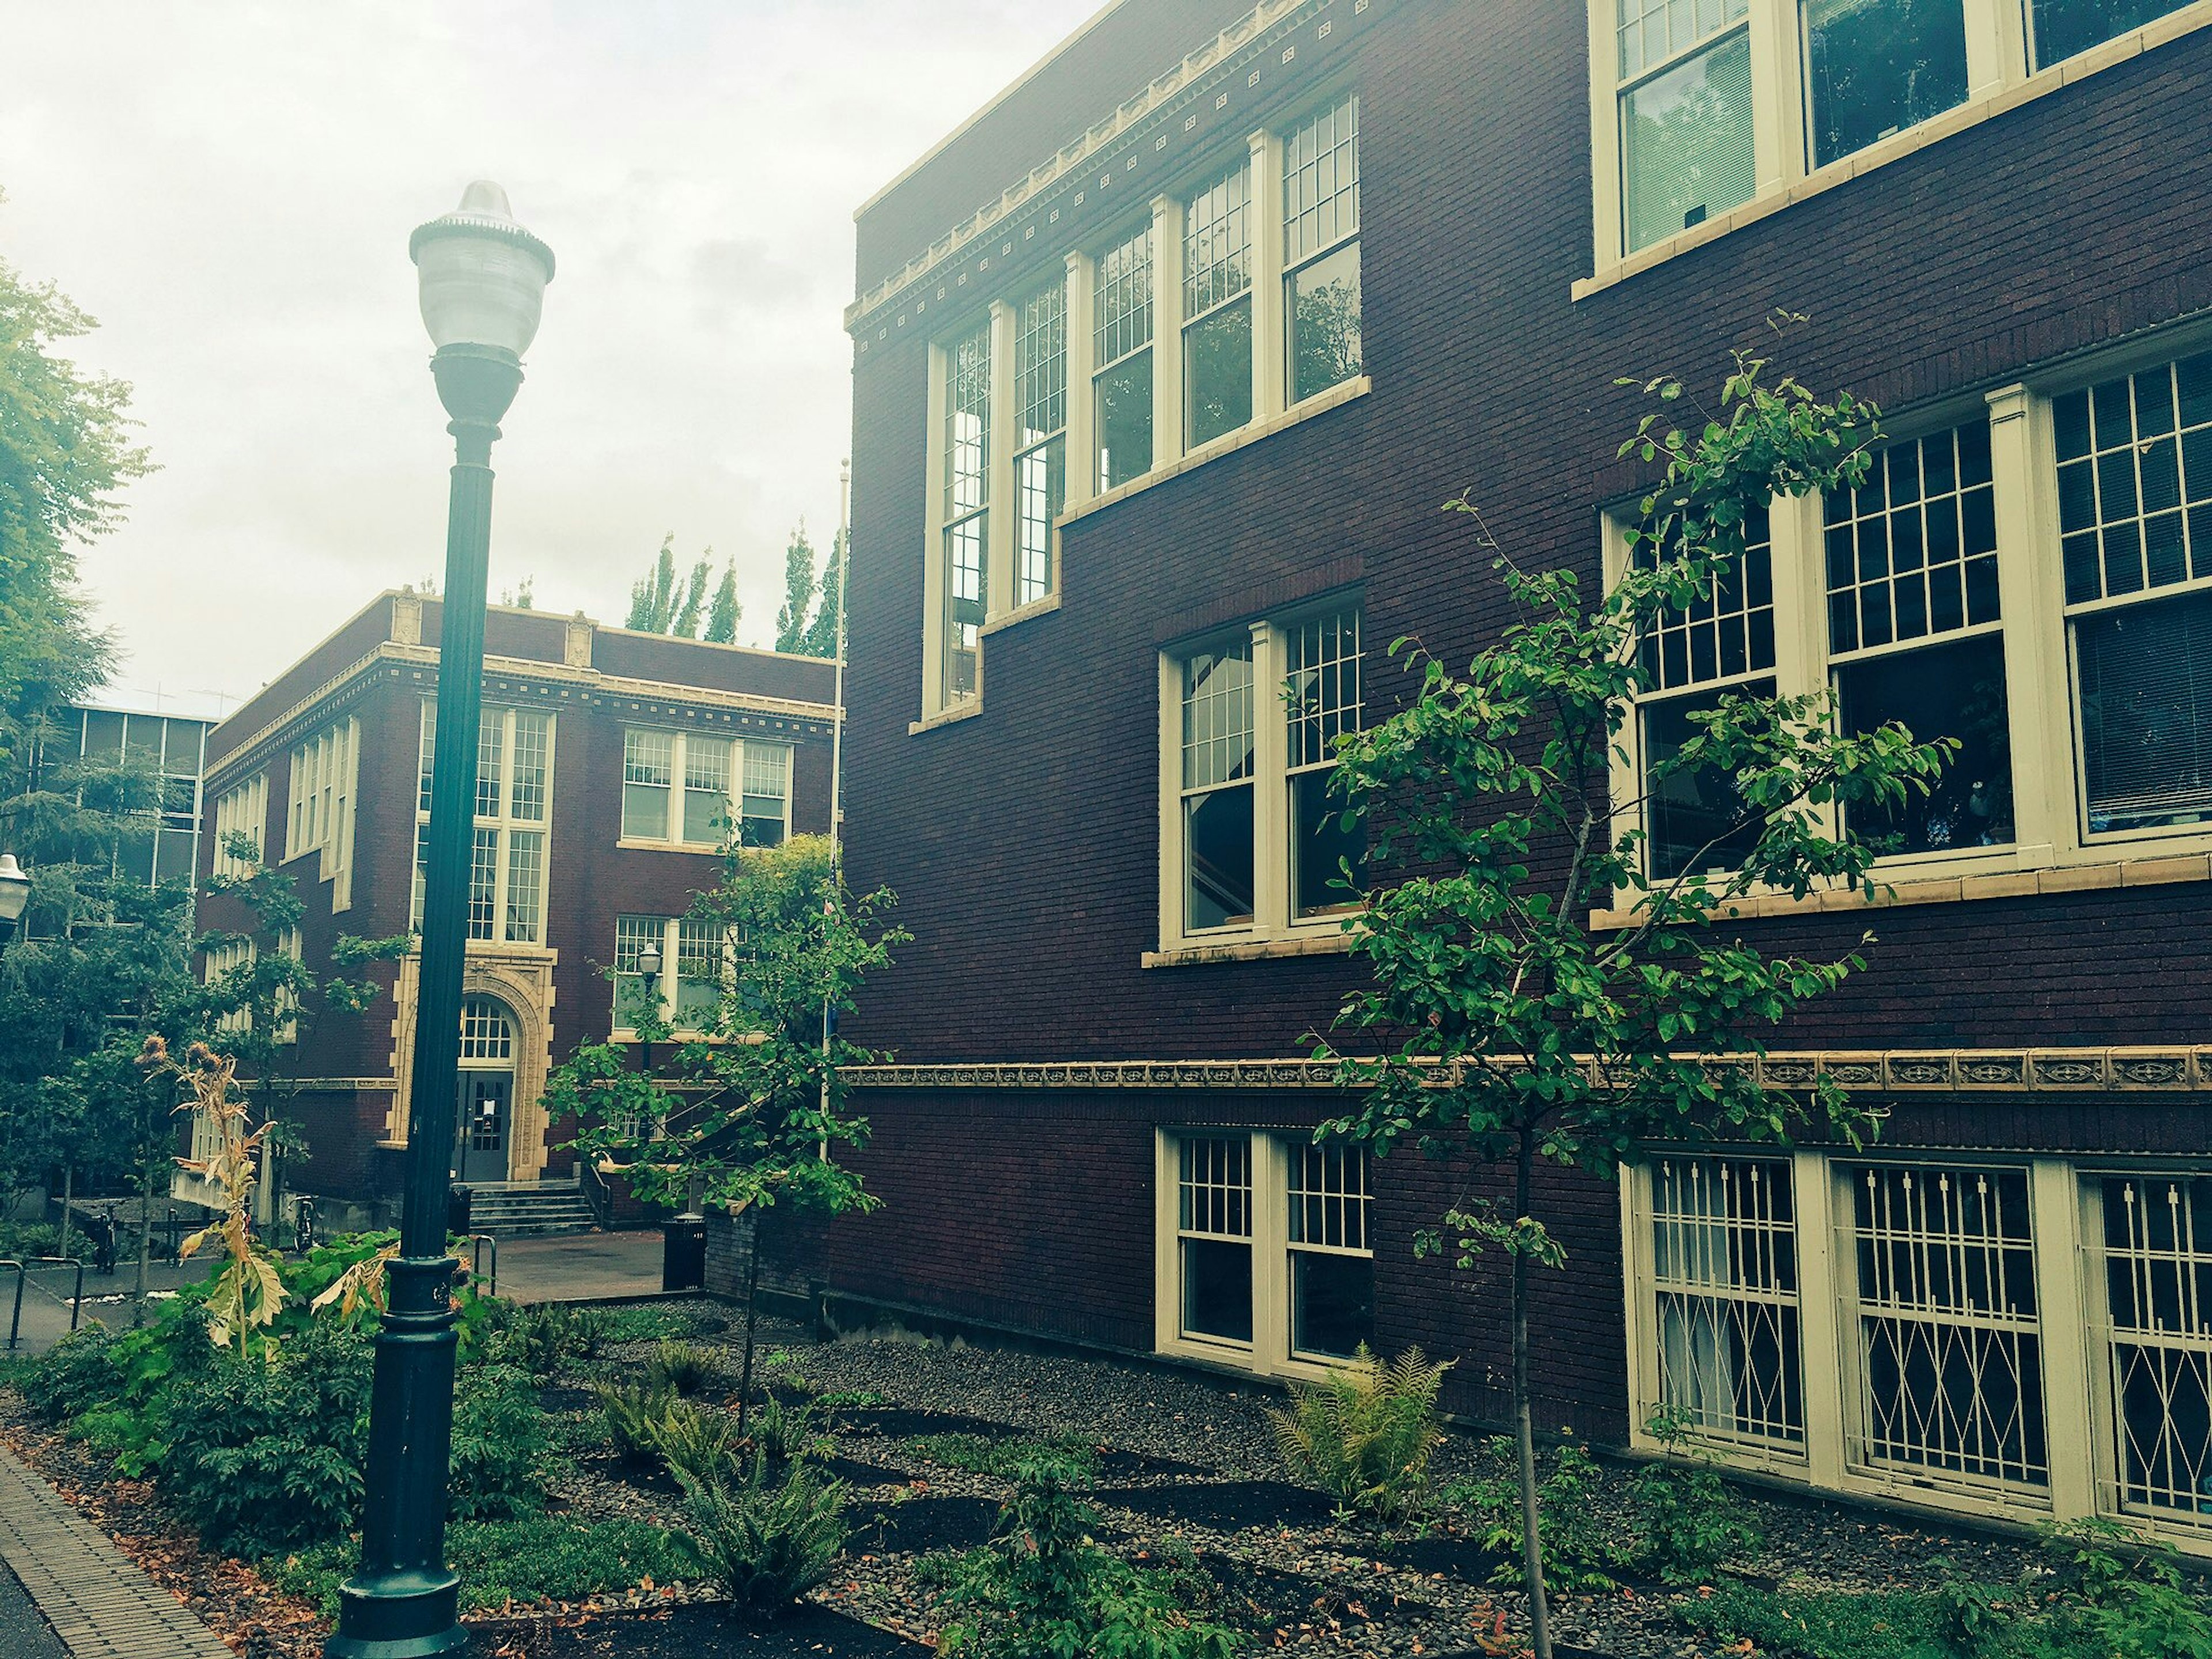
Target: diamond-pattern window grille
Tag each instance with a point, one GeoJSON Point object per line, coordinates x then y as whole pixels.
{"type": "Point", "coordinates": [1725, 1273]}
{"type": "Point", "coordinates": [1950, 1354]}
{"type": "Point", "coordinates": [2158, 1285]}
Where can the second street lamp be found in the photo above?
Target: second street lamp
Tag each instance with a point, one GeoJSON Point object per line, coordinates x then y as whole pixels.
{"type": "Point", "coordinates": [482, 280]}
{"type": "Point", "coordinates": [14, 896]}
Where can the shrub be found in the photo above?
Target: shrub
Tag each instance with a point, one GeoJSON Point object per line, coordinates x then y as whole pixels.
{"type": "Point", "coordinates": [653, 1323]}
{"type": "Point", "coordinates": [71, 1377]}
{"type": "Point", "coordinates": [698, 1441]}
{"type": "Point", "coordinates": [1073, 1460]}
{"type": "Point", "coordinates": [1585, 1541]}
{"type": "Point", "coordinates": [1826, 1625]}
{"type": "Point", "coordinates": [500, 1446]}
{"type": "Point", "coordinates": [788, 1433]}
{"type": "Point", "coordinates": [768, 1541]}
{"type": "Point", "coordinates": [1366, 1436]}
{"type": "Point", "coordinates": [536, 1558]}
{"type": "Point", "coordinates": [1043, 1589]}
{"type": "Point", "coordinates": [545, 1339]}
{"type": "Point", "coordinates": [266, 1454]}
{"type": "Point", "coordinates": [680, 1368]}
{"type": "Point", "coordinates": [1690, 1522]}
{"type": "Point", "coordinates": [633, 1413]}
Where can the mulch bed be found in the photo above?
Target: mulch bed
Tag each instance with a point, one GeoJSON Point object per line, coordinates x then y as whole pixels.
{"type": "Point", "coordinates": [1188, 1468]}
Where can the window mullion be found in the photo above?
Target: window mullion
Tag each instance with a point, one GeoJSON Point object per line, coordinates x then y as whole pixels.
{"type": "Point", "coordinates": [1175, 922]}
{"type": "Point", "coordinates": [1167, 331]}
{"type": "Point", "coordinates": [1605, 148]}
{"type": "Point", "coordinates": [1271, 1253]}
{"type": "Point", "coordinates": [1821, 1332]}
{"type": "Point", "coordinates": [1800, 611]}
{"type": "Point", "coordinates": [1996, 46]}
{"type": "Point", "coordinates": [935, 576]}
{"type": "Point", "coordinates": [1081, 470]}
{"type": "Point", "coordinates": [999, 533]}
{"type": "Point", "coordinates": [2061, 1307]}
{"type": "Point", "coordinates": [2038, 682]}
{"type": "Point", "coordinates": [1270, 348]}
{"type": "Point", "coordinates": [1271, 806]}
{"type": "Point", "coordinates": [1778, 94]}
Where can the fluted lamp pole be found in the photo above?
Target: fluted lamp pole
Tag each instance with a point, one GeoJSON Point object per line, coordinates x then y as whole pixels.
{"type": "Point", "coordinates": [483, 279]}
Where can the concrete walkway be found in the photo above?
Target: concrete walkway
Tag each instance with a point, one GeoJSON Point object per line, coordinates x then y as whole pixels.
{"type": "Point", "coordinates": [97, 1601]}
{"type": "Point", "coordinates": [107, 1298]}
{"type": "Point", "coordinates": [580, 1266]}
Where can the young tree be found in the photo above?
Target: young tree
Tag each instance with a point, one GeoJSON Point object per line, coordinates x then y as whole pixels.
{"type": "Point", "coordinates": [661, 602]}
{"type": "Point", "coordinates": [723, 614]}
{"type": "Point", "coordinates": [821, 637]}
{"type": "Point", "coordinates": [1513, 1028]}
{"type": "Point", "coordinates": [749, 1114]}
{"type": "Point", "coordinates": [798, 590]}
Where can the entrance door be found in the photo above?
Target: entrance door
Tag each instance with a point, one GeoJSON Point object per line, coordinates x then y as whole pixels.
{"type": "Point", "coordinates": [486, 1099]}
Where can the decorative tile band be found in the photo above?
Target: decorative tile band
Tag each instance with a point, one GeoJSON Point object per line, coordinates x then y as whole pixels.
{"type": "Point", "coordinates": [1964, 1071]}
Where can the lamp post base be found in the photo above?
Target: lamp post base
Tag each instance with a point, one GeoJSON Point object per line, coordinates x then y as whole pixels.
{"type": "Point", "coordinates": [402, 1615]}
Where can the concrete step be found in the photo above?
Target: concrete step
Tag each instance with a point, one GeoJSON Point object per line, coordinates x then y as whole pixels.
{"type": "Point", "coordinates": [517, 1210]}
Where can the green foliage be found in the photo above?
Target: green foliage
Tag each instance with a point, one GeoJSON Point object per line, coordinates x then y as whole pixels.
{"type": "Point", "coordinates": [1585, 1544]}
{"type": "Point", "coordinates": [633, 1413]}
{"type": "Point", "coordinates": [500, 1446]}
{"type": "Point", "coordinates": [788, 1432]}
{"type": "Point", "coordinates": [647, 1322]}
{"type": "Point", "coordinates": [71, 1377]}
{"type": "Point", "coordinates": [1073, 1459]}
{"type": "Point", "coordinates": [546, 1557]}
{"type": "Point", "coordinates": [20, 1241]}
{"type": "Point", "coordinates": [1366, 1436]}
{"type": "Point", "coordinates": [265, 1454]}
{"type": "Point", "coordinates": [768, 1539]}
{"type": "Point", "coordinates": [545, 1339]}
{"type": "Point", "coordinates": [681, 1368]}
{"type": "Point", "coordinates": [661, 602]}
{"type": "Point", "coordinates": [854, 1400]}
{"type": "Point", "coordinates": [1043, 1589]}
{"type": "Point", "coordinates": [698, 1442]}
{"type": "Point", "coordinates": [1689, 1521]}
{"type": "Point", "coordinates": [1894, 1625]}
{"type": "Point", "coordinates": [814, 635]}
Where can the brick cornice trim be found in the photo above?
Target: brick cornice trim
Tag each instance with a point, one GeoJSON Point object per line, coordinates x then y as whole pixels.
{"type": "Point", "coordinates": [2179, 1069]}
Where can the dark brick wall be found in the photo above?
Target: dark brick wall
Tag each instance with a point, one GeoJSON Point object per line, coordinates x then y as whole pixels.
{"type": "Point", "coordinates": [1023, 843]}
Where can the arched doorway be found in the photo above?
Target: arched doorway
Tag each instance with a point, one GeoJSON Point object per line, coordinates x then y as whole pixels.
{"type": "Point", "coordinates": [486, 1117]}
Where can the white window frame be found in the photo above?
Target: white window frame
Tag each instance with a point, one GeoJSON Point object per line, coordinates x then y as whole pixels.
{"type": "Point", "coordinates": [1269, 1353]}
{"type": "Point", "coordinates": [224, 958]}
{"type": "Point", "coordinates": [2050, 829]}
{"type": "Point", "coordinates": [1035, 360]}
{"type": "Point", "coordinates": [742, 749]}
{"type": "Point", "coordinates": [242, 809]}
{"type": "Point", "coordinates": [1999, 76]}
{"type": "Point", "coordinates": [668, 990]}
{"type": "Point", "coordinates": [1275, 920]}
{"type": "Point", "coordinates": [497, 830]}
{"type": "Point", "coordinates": [998, 319]}
{"type": "Point", "coordinates": [2074, 1325]}
{"type": "Point", "coordinates": [324, 779]}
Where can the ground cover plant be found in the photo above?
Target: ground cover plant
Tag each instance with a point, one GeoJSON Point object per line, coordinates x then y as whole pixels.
{"type": "Point", "coordinates": [556, 1558]}
{"type": "Point", "coordinates": [1072, 1459]}
{"type": "Point", "coordinates": [766, 1537]}
{"type": "Point", "coordinates": [1366, 1435]}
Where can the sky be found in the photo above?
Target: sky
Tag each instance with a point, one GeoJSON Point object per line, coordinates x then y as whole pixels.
{"type": "Point", "coordinates": [228, 185]}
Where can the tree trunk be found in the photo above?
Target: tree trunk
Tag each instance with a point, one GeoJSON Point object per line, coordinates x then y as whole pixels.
{"type": "Point", "coordinates": [69, 1188]}
{"type": "Point", "coordinates": [146, 1171]}
{"type": "Point", "coordinates": [1524, 1434]}
{"type": "Point", "coordinates": [752, 1318]}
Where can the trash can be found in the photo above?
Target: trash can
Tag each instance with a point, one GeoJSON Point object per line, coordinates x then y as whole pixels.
{"type": "Point", "coordinates": [456, 1211]}
{"type": "Point", "coordinates": [683, 1253]}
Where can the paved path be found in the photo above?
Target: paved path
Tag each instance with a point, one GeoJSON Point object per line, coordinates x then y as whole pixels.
{"type": "Point", "coordinates": [107, 1298]}
{"type": "Point", "coordinates": [94, 1597]}
{"type": "Point", "coordinates": [580, 1266]}
{"type": "Point", "coordinates": [24, 1632]}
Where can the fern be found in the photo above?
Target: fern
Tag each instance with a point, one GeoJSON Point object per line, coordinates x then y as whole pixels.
{"type": "Point", "coordinates": [768, 1542]}
{"type": "Point", "coordinates": [1366, 1435]}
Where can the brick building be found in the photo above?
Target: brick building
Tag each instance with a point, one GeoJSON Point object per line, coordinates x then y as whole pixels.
{"type": "Point", "coordinates": [612, 765]}
{"type": "Point", "coordinates": [1165, 363]}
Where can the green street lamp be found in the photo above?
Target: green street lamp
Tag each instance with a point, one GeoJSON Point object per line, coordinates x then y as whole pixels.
{"type": "Point", "coordinates": [15, 895]}
{"type": "Point", "coordinates": [483, 279]}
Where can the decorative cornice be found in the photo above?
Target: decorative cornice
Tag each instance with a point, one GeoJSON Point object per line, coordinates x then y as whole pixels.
{"type": "Point", "coordinates": [1165, 93]}
{"type": "Point", "coordinates": [2175, 1070]}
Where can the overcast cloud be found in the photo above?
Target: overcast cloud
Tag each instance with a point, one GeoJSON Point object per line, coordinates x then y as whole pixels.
{"type": "Point", "coordinates": [228, 187]}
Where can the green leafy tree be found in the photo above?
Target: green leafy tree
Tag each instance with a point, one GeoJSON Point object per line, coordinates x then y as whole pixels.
{"type": "Point", "coordinates": [661, 602]}
{"type": "Point", "coordinates": [798, 590]}
{"type": "Point", "coordinates": [821, 637]}
{"type": "Point", "coordinates": [749, 1112]}
{"type": "Point", "coordinates": [1516, 1030]}
{"type": "Point", "coordinates": [722, 616]}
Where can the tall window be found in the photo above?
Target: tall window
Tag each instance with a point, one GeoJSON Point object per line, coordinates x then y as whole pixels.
{"type": "Point", "coordinates": [696, 789]}
{"type": "Point", "coordinates": [2158, 1289]}
{"type": "Point", "coordinates": [1121, 388]}
{"type": "Point", "coordinates": [321, 815]}
{"type": "Point", "coordinates": [2135, 506]}
{"type": "Point", "coordinates": [1322, 701]}
{"type": "Point", "coordinates": [1332, 1256]}
{"type": "Point", "coordinates": [1040, 435]}
{"type": "Point", "coordinates": [513, 804]}
{"type": "Point", "coordinates": [1724, 1277]}
{"type": "Point", "coordinates": [1914, 634]}
{"type": "Point", "coordinates": [1950, 1343]}
{"type": "Point", "coordinates": [1875, 67]}
{"type": "Point", "coordinates": [1217, 817]}
{"type": "Point", "coordinates": [242, 810]}
{"type": "Point", "coordinates": [2060, 29]}
{"type": "Point", "coordinates": [1722, 644]}
{"type": "Point", "coordinates": [1321, 249]}
{"type": "Point", "coordinates": [695, 969]}
{"type": "Point", "coordinates": [1214, 1198]}
{"type": "Point", "coordinates": [967, 492]}
{"type": "Point", "coordinates": [1216, 309]}
{"type": "Point", "coordinates": [1685, 118]}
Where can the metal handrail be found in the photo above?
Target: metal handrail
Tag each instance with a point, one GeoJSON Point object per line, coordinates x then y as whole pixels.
{"type": "Point", "coordinates": [477, 1242]}
{"type": "Point", "coordinates": [22, 1273]}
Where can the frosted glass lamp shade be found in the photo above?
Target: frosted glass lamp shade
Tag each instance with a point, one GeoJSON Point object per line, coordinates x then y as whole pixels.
{"type": "Point", "coordinates": [482, 275]}
{"type": "Point", "coordinates": [15, 888]}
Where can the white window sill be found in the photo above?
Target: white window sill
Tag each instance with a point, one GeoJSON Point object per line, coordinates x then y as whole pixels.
{"type": "Point", "coordinates": [1020, 614]}
{"type": "Point", "coordinates": [2023, 875]}
{"type": "Point", "coordinates": [1200, 954]}
{"type": "Point", "coordinates": [966, 710]}
{"type": "Point", "coordinates": [2118, 50]}
{"type": "Point", "coordinates": [637, 844]}
{"type": "Point", "coordinates": [1237, 1359]}
{"type": "Point", "coordinates": [1228, 444]}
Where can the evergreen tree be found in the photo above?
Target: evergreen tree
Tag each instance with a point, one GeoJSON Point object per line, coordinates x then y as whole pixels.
{"type": "Point", "coordinates": [662, 603]}
{"type": "Point", "coordinates": [821, 637]}
{"type": "Point", "coordinates": [722, 616]}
